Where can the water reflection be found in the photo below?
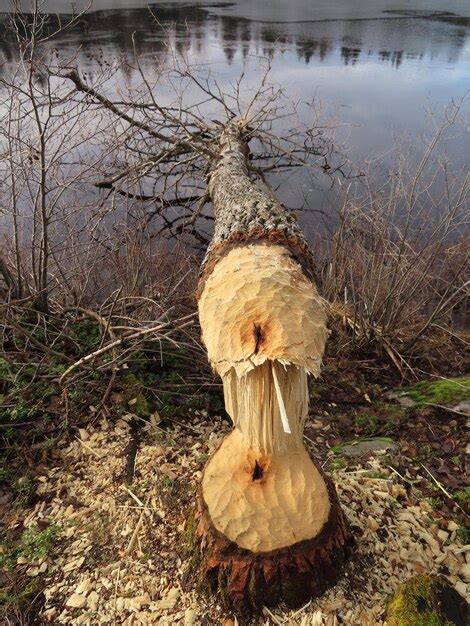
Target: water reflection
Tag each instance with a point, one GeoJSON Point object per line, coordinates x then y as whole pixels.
{"type": "Point", "coordinates": [394, 38]}
{"type": "Point", "coordinates": [374, 66]}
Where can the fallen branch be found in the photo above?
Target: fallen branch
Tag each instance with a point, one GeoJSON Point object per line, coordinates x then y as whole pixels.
{"type": "Point", "coordinates": [444, 491]}
{"type": "Point", "coordinates": [187, 319]}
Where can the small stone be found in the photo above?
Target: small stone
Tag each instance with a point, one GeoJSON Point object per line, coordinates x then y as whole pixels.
{"type": "Point", "coordinates": [401, 398]}
{"type": "Point", "coordinates": [372, 524]}
{"type": "Point", "coordinates": [76, 601]}
{"type": "Point", "coordinates": [367, 448]}
{"type": "Point", "coordinates": [463, 407]}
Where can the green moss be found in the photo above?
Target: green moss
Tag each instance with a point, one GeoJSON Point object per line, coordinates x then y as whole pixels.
{"type": "Point", "coordinates": [140, 405]}
{"type": "Point", "coordinates": [189, 532]}
{"type": "Point", "coordinates": [380, 475]}
{"type": "Point", "coordinates": [446, 391]}
{"type": "Point", "coordinates": [337, 464]}
{"type": "Point", "coordinates": [426, 601]}
{"type": "Point", "coordinates": [25, 490]}
{"type": "Point", "coordinates": [6, 376]}
{"type": "Point", "coordinates": [367, 423]}
{"type": "Point", "coordinates": [463, 535]}
{"type": "Point", "coordinates": [463, 496]}
{"type": "Point", "coordinates": [33, 544]}
{"type": "Point", "coordinates": [192, 553]}
{"type": "Point", "coordinates": [87, 334]}
{"type": "Point", "coordinates": [135, 397]}
{"type": "Point", "coordinates": [17, 598]}
{"type": "Point", "coordinates": [166, 483]}
{"type": "Point", "coordinates": [37, 544]}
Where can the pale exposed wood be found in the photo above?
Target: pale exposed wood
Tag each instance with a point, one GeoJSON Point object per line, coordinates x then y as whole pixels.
{"type": "Point", "coordinates": [258, 305]}
{"type": "Point", "coordinates": [264, 502]}
{"type": "Point", "coordinates": [263, 324]}
{"type": "Point", "coordinates": [252, 403]}
{"type": "Point", "coordinates": [269, 523]}
{"type": "Point", "coordinates": [280, 400]}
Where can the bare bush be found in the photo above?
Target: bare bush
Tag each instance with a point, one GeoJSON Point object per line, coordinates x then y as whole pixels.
{"type": "Point", "coordinates": [396, 267]}
{"type": "Point", "coordinates": [94, 183]}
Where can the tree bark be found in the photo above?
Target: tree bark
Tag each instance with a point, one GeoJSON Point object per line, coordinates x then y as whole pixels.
{"type": "Point", "coordinates": [270, 527]}
{"type": "Point", "coordinates": [248, 581]}
{"type": "Point", "coordinates": [244, 213]}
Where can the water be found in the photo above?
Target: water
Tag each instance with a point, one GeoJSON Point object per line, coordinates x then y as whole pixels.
{"type": "Point", "coordinates": [376, 68]}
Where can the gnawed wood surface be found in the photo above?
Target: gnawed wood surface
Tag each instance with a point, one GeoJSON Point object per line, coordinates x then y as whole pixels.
{"type": "Point", "coordinates": [263, 502]}
{"type": "Point", "coordinates": [270, 527]}
{"type": "Point", "coordinates": [257, 305]}
{"type": "Point", "coordinates": [302, 571]}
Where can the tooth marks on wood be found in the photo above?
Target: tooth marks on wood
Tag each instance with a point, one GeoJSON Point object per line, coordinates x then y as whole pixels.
{"type": "Point", "coordinates": [271, 528]}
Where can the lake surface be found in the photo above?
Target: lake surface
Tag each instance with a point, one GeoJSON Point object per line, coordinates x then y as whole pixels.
{"type": "Point", "coordinates": [374, 67]}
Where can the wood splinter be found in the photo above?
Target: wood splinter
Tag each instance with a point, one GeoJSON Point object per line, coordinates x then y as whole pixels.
{"type": "Point", "coordinates": [270, 527]}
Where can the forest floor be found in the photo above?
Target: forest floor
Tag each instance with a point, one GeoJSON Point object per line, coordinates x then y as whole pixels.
{"type": "Point", "coordinates": [95, 530]}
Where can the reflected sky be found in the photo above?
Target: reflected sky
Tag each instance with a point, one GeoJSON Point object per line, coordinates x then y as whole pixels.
{"type": "Point", "coordinates": [373, 66]}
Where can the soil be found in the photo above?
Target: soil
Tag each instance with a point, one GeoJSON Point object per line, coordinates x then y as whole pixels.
{"type": "Point", "coordinates": [121, 551]}
{"type": "Point", "coordinates": [95, 525]}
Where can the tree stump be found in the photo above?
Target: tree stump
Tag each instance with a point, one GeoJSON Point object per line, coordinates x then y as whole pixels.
{"type": "Point", "coordinates": [270, 527]}
{"type": "Point", "coordinates": [263, 568]}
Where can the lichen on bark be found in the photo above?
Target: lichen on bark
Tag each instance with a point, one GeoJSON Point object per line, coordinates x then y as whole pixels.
{"type": "Point", "coordinates": [243, 211]}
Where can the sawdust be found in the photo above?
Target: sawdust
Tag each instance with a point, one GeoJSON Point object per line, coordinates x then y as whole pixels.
{"type": "Point", "coordinates": [121, 556]}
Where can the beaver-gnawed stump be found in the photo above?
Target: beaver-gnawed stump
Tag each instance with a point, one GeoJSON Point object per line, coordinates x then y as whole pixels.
{"type": "Point", "coordinates": [270, 530]}
{"type": "Point", "coordinates": [269, 525]}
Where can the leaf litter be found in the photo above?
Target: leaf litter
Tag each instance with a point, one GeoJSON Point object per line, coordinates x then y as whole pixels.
{"type": "Point", "coordinates": [122, 554]}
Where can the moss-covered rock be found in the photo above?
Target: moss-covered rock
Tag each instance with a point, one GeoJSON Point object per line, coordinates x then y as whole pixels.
{"type": "Point", "coordinates": [427, 601]}
{"type": "Point", "coordinates": [444, 391]}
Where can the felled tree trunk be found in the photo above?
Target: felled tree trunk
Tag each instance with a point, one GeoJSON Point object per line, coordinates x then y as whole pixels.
{"type": "Point", "coordinates": [270, 528]}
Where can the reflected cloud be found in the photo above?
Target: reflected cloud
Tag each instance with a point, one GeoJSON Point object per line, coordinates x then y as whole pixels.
{"type": "Point", "coordinates": [395, 38]}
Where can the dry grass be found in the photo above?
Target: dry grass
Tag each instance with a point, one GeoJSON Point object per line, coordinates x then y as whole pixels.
{"type": "Point", "coordinates": [396, 268]}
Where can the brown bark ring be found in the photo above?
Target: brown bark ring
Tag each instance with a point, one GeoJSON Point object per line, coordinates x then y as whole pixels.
{"type": "Point", "coordinates": [248, 581]}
